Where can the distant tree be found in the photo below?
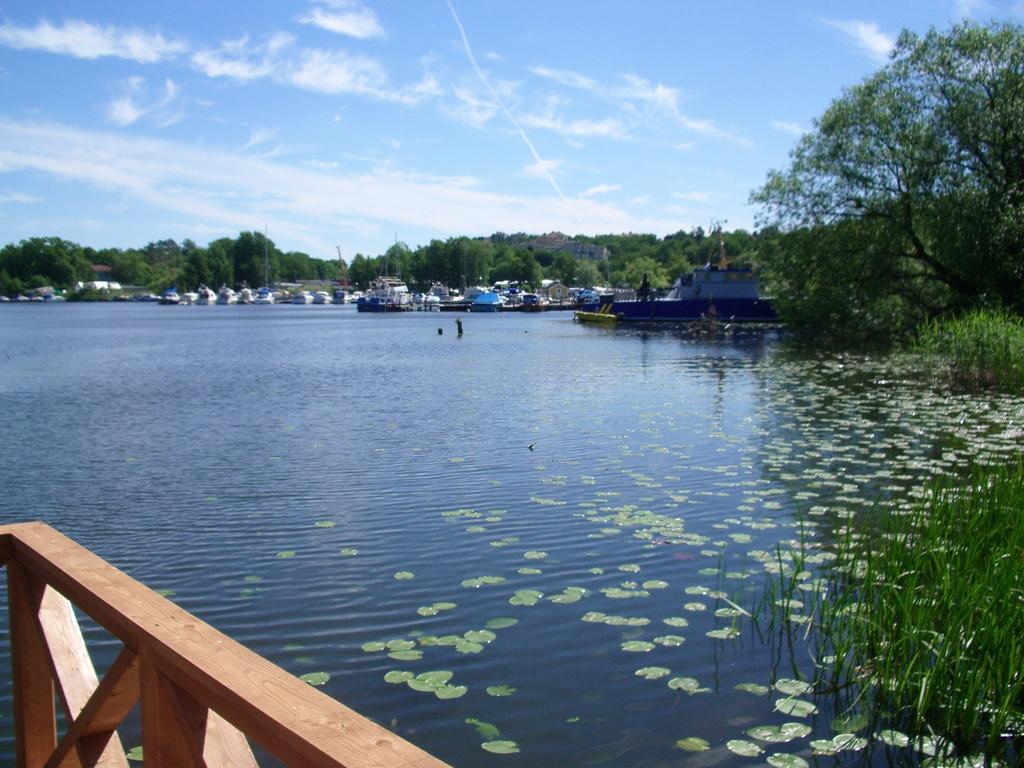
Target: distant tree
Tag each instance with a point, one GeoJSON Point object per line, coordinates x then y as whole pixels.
{"type": "Point", "coordinates": [633, 273]}
{"type": "Point", "coordinates": [51, 260]}
{"type": "Point", "coordinates": [588, 274]}
{"type": "Point", "coordinates": [220, 257]}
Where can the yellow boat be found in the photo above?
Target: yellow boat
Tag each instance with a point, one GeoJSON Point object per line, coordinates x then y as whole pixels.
{"type": "Point", "coordinates": [603, 315]}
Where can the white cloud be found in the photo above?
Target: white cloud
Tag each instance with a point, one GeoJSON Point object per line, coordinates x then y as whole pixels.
{"type": "Point", "coordinates": [123, 111]}
{"type": "Point", "coordinates": [472, 109]}
{"type": "Point", "coordinates": [794, 129]}
{"type": "Point", "coordinates": [608, 128]}
{"type": "Point", "coordinates": [337, 72]}
{"type": "Point", "coordinates": [692, 197]}
{"type": "Point", "coordinates": [865, 35]}
{"type": "Point", "coordinates": [91, 41]}
{"type": "Point", "coordinates": [307, 207]}
{"type": "Point", "coordinates": [352, 20]}
{"type": "Point", "coordinates": [259, 135]}
{"type": "Point", "coordinates": [634, 93]}
{"type": "Point", "coordinates": [331, 72]}
{"type": "Point", "coordinates": [7, 196]}
{"type": "Point", "coordinates": [126, 108]}
{"type": "Point", "coordinates": [601, 189]}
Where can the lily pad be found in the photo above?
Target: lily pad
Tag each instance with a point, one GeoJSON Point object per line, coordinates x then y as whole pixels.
{"type": "Point", "coordinates": [670, 641]}
{"type": "Point", "coordinates": [687, 684]}
{"type": "Point", "coordinates": [526, 597]}
{"type": "Point", "coordinates": [315, 678]}
{"type": "Point", "coordinates": [286, 554]}
{"type": "Point", "coordinates": [725, 633]}
{"type": "Point", "coordinates": [792, 687]}
{"type": "Point", "coordinates": [535, 555]}
{"type": "Point", "coordinates": [135, 753]}
{"type": "Point", "coordinates": [406, 655]}
{"type": "Point", "coordinates": [785, 760]}
{"type": "Point", "coordinates": [480, 636]}
{"type": "Point", "coordinates": [676, 621]}
{"type": "Point", "coordinates": [374, 646]}
{"type": "Point", "coordinates": [655, 584]}
{"type": "Point", "coordinates": [481, 581]}
{"type": "Point", "coordinates": [324, 524]}
{"type": "Point", "coordinates": [451, 691]}
{"type": "Point", "coordinates": [637, 646]}
{"type": "Point", "coordinates": [500, 690]}
{"type": "Point", "coordinates": [743, 748]}
{"type": "Point", "coordinates": [693, 744]}
{"type": "Point", "coordinates": [348, 552]}
{"type": "Point", "coordinates": [501, 747]}
{"type": "Point", "coordinates": [396, 676]}
{"type": "Point", "coordinates": [894, 738]}
{"type": "Point", "coordinates": [404, 575]}
{"type": "Point", "coordinates": [779, 734]}
{"type": "Point", "coordinates": [653, 673]}
{"type": "Point", "coordinates": [502, 623]}
{"type": "Point", "coordinates": [795, 707]}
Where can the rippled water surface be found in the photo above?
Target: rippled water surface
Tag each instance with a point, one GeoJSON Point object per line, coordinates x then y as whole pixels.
{"type": "Point", "coordinates": [329, 488]}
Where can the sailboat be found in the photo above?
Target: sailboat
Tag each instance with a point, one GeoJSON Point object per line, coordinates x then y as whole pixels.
{"type": "Point", "coordinates": [265, 295]}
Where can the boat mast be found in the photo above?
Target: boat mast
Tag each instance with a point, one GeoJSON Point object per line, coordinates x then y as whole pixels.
{"type": "Point", "coordinates": [266, 259]}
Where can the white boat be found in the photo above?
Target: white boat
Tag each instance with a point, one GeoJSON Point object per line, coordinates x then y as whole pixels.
{"type": "Point", "coordinates": [189, 297]}
{"type": "Point", "coordinates": [321, 297]}
{"type": "Point", "coordinates": [386, 294]}
{"type": "Point", "coordinates": [302, 297]}
{"type": "Point", "coordinates": [170, 296]}
{"type": "Point", "coordinates": [226, 296]}
{"type": "Point", "coordinates": [340, 297]}
{"type": "Point", "coordinates": [246, 296]}
{"type": "Point", "coordinates": [205, 296]}
{"type": "Point", "coordinates": [264, 296]}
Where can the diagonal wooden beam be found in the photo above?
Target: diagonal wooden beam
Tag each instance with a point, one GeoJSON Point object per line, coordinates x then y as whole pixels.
{"type": "Point", "coordinates": [71, 665]}
{"type": "Point", "coordinates": [90, 734]}
{"type": "Point", "coordinates": [35, 721]}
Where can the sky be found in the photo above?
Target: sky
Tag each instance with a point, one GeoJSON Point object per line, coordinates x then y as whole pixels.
{"type": "Point", "coordinates": [339, 126]}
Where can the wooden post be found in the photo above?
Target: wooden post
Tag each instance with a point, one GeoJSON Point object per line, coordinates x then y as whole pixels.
{"type": "Point", "coordinates": [35, 721]}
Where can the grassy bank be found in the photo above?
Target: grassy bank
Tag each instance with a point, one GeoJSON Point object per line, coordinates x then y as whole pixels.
{"type": "Point", "coordinates": [981, 348]}
{"type": "Point", "coordinates": [920, 627]}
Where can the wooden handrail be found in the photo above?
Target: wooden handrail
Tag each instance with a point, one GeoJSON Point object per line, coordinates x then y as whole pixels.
{"type": "Point", "coordinates": [202, 694]}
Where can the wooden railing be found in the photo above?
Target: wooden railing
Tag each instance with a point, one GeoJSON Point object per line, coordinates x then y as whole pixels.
{"type": "Point", "coordinates": [203, 696]}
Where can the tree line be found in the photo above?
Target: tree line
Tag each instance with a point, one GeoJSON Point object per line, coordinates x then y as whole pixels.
{"type": "Point", "coordinates": [455, 262]}
{"type": "Point", "coordinates": [52, 261]}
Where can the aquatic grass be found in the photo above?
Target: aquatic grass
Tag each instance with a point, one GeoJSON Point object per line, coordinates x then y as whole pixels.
{"type": "Point", "coordinates": [983, 347]}
{"type": "Point", "coordinates": [922, 624]}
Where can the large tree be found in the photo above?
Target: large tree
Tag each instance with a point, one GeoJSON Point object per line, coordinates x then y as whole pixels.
{"type": "Point", "coordinates": [907, 198]}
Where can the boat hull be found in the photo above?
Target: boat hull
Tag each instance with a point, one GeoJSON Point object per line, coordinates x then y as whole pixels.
{"type": "Point", "coordinates": [688, 310]}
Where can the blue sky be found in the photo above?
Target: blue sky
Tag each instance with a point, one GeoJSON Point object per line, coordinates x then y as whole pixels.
{"type": "Point", "coordinates": [348, 123]}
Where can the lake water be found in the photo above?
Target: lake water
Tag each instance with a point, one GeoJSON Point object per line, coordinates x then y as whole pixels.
{"type": "Point", "coordinates": [328, 488]}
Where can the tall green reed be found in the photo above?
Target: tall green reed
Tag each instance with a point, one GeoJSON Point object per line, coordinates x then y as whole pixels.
{"type": "Point", "coordinates": [921, 621]}
{"type": "Point", "coordinates": [983, 347]}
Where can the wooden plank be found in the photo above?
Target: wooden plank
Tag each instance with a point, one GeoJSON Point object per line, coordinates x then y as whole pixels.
{"type": "Point", "coordinates": [35, 721]}
{"type": "Point", "coordinates": [298, 724]}
{"type": "Point", "coordinates": [91, 732]}
{"type": "Point", "coordinates": [72, 666]}
{"type": "Point", "coordinates": [6, 551]}
{"type": "Point", "coordinates": [169, 724]}
{"type": "Point", "coordinates": [226, 746]}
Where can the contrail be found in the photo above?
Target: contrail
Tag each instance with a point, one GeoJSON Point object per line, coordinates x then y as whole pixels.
{"type": "Point", "coordinates": [526, 139]}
